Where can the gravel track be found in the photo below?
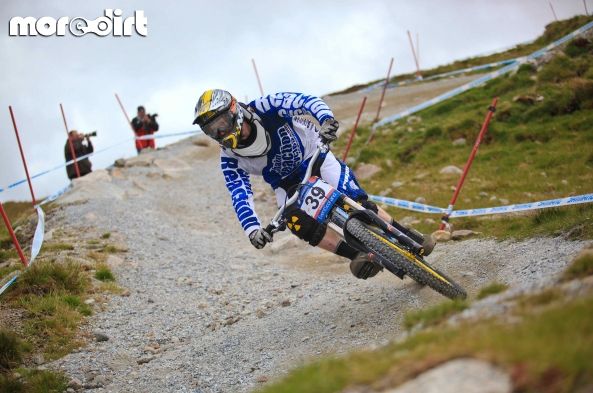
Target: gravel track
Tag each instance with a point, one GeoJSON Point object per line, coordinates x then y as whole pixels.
{"type": "Point", "coordinates": [208, 313]}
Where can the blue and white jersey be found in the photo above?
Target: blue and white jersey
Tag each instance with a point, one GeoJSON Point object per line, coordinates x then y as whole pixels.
{"type": "Point", "coordinates": [293, 141]}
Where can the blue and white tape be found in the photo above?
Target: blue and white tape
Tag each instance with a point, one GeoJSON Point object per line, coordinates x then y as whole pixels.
{"type": "Point", "coordinates": [495, 74]}
{"type": "Point", "coordinates": [60, 166]}
{"type": "Point", "coordinates": [422, 208]}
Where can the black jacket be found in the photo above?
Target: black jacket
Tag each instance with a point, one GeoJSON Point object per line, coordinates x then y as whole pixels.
{"type": "Point", "coordinates": [139, 125]}
{"type": "Point", "coordinates": [80, 149]}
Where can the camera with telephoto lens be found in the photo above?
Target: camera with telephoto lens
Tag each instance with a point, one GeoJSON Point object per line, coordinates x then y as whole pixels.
{"type": "Point", "coordinates": [153, 116]}
{"type": "Point", "coordinates": [94, 133]}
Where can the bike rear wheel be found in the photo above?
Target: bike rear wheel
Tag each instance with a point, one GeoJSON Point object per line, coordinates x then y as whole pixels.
{"type": "Point", "coordinates": [401, 259]}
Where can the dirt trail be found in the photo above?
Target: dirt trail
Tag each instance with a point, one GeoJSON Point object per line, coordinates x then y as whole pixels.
{"type": "Point", "coordinates": [397, 99]}
{"type": "Point", "coordinates": [208, 313]}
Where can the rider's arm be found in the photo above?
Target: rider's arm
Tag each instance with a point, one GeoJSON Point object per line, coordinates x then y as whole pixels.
{"type": "Point", "coordinates": [237, 182]}
{"type": "Point", "coordinates": [287, 105]}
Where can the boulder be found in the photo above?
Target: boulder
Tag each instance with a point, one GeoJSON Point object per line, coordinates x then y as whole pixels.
{"type": "Point", "coordinates": [441, 236]}
{"type": "Point", "coordinates": [142, 160]}
{"type": "Point", "coordinates": [451, 170]}
{"type": "Point", "coordinates": [459, 142]}
{"type": "Point", "coordinates": [366, 171]}
{"type": "Point", "coordinates": [463, 234]}
{"type": "Point", "coordinates": [95, 185]}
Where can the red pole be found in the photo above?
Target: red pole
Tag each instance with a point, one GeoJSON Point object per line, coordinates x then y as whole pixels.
{"type": "Point", "coordinates": [468, 164]}
{"type": "Point", "coordinates": [364, 100]}
{"type": "Point", "coordinates": [383, 92]}
{"type": "Point", "coordinates": [418, 75]}
{"type": "Point", "coordinates": [18, 139]}
{"type": "Point", "coordinates": [124, 111]}
{"type": "Point", "coordinates": [72, 152]}
{"type": "Point", "coordinates": [261, 89]}
{"type": "Point", "coordinates": [15, 241]}
{"type": "Point", "coordinates": [553, 12]}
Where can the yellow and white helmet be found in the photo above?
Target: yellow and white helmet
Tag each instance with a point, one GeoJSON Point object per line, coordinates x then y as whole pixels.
{"type": "Point", "coordinates": [220, 117]}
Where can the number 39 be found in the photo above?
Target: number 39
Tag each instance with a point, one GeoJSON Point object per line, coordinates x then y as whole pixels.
{"type": "Point", "coordinates": [317, 194]}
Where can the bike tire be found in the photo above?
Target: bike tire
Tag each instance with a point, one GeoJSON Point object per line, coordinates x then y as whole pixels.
{"type": "Point", "coordinates": [411, 264]}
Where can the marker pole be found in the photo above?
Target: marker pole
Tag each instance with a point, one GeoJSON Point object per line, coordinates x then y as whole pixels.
{"type": "Point", "coordinates": [371, 137]}
{"type": "Point", "coordinates": [15, 241]}
{"type": "Point", "coordinates": [261, 89]}
{"type": "Point", "coordinates": [468, 164]}
{"type": "Point", "coordinates": [18, 139]}
{"type": "Point", "coordinates": [364, 100]}
{"type": "Point", "coordinates": [418, 75]}
{"type": "Point", "coordinates": [72, 152]}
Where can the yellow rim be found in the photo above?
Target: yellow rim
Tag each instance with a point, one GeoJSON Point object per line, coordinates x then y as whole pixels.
{"type": "Point", "coordinates": [411, 257]}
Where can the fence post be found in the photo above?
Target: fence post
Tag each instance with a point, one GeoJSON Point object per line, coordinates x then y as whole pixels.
{"type": "Point", "coordinates": [72, 152]}
{"type": "Point", "coordinates": [364, 100]}
{"type": "Point", "coordinates": [468, 164]}
{"type": "Point", "coordinates": [18, 139]}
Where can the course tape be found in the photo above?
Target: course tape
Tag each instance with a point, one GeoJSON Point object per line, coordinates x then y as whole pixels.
{"type": "Point", "coordinates": [477, 82]}
{"type": "Point", "coordinates": [60, 166]}
{"type": "Point", "coordinates": [419, 207]}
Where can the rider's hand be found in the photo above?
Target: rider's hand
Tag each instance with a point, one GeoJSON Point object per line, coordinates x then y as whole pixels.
{"type": "Point", "coordinates": [328, 130]}
{"type": "Point", "coordinates": [259, 238]}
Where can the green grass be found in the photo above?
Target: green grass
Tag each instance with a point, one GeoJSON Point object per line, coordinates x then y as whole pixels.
{"type": "Point", "coordinates": [532, 151]}
{"type": "Point", "coordinates": [11, 350]}
{"type": "Point", "coordinates": [47, 277]}
{"type": "Point", "coordinates": [57, 247]}
{"type": "Point", "coordinates": [582, 266]}
{"type": "Point", "coordinates": [556, 341]}
{"type": "Point", "coordinates": [491, 289]}
{"type": "Point", "coordinates": [106, 235]}
{"type": "Point", "coordinates": [103, 273]}
{"type": "Point", "coordinates": [111, 249]}
{"type": "Point", "coordinates": [33, 381]}
{"type": "Point", "coordinates": [435, 314]}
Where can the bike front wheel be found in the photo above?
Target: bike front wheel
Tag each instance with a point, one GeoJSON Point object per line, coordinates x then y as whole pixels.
{"type": "Point", "coordinates": [401, 259]}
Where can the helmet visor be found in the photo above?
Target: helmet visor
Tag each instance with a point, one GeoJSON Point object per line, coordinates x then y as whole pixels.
{"type": "Point", "coordinates": [220, 127]}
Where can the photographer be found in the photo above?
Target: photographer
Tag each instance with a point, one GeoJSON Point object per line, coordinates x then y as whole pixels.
{"type": "Point", "coordinates": [80, 149]}
{"type": "Point", "coordinates": [144, 124]}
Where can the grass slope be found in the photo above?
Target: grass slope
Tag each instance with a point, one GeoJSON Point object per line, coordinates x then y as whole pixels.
{"type": "Point", "coordinates": [539, 146]}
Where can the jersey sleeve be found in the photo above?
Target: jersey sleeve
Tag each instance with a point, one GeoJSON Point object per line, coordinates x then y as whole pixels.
{"type": "Point", "coordinates": [287, 105]}
{"type": "Point", "coordinates": [239, 186]}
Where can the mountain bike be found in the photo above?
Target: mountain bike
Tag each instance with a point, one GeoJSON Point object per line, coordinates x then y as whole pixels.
{"type": "Point", "coordinates": [394, 247]}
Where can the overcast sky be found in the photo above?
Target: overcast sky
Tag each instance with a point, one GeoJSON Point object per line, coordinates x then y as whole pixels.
{"type": "Point", "coordinates": [306, 46]}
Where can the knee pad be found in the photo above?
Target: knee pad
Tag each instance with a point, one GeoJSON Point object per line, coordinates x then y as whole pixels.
{"type": "Point", "coordinates": [304, 226]}
{"type": "Point", "coordinates": [370, 205]}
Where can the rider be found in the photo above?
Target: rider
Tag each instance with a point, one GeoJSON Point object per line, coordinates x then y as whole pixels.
{"type": "Point", "coordinates": [272, 137]}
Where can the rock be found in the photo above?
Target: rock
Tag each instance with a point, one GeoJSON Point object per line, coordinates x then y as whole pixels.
{"type": "Point", "coordinates": [441, 235]}
{"type": "Point", "coordinates": [125, 293]}
{"type": "Point", "coordinates": [95, 185]}
{"type": "Point", "coordinates": [389, 163]}
{"type": "Point", "coordinates": [38, 359]}
{"type": "Point", "coordinates": [284, 243]}
{"type": "Point", "coordinates": [114, 261]}
{"type": "Point", "coordinates": [413, 119]}
{"type": "Point", "coordinates": [366, 171]}
{"type": "Point", "coordinates": [459, 375]}
{"type": "Point", "coordinates": [563, 181]}
{"type": "Point", "coordinates": [262, 379]}
{"type": "Point", "coordinates": [459, 142]}
{"type": "Point", "coordinates": [100, 337]}
{"type": "Point", "coordinates": [145, 359]}
{"type": "Point", "coordinates": [141, 160]}
{"type": "Point", "coordinates": [420, 199]}
{"type": "Point", "coordinates": [119, 163]}
{"type": "Point", "coordinates": [450, 170]}
{"type": "Point", "coordinates": [493, 198]}
{"type": "Point", "coordinates": [525, 99]}
{"type": "Point", "coordinates": [504, 201]}
{"type": "Point", "coordinates": [386, 192]}
{"type": "Point", "coordinates": [260, 313]}
{"type": "Point", "coordinates": [463, 234]}
{"type": "Point", "coordinates": [408, 221]}
{"type": "Point", "coordinates": [172, 167]}
{"type": "Point", "coordinates": [285, 303]}
{"type": "Point", "coordinates": [117, 173]}
{"type": "Point", "coordinates": [420, 176]}
{"type": "Point", "coordinates": [89, 301]}
{"type": "Point", "coordinates": [397, 184]}
{"type": "Point", "coordinates": [429, 221]}
{"type": "Point", "coordinates": [483, 194]}
{"type": "Point", "coordinates": [100, 381]}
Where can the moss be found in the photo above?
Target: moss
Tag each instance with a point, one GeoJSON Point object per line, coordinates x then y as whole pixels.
{"type": "Point", "coordinates": [103, 273]}
{"type": "Point", "coordinates": [492, 289]}
{"type": "Point", "coordinates": [581, 266]}
{"type": "Point", "coordinates": [435, 314]}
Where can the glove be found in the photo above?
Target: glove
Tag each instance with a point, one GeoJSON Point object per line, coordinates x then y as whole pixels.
{"type": "Point", "coordinates": [328, 130]}
{"type": "Point", "coordinates": [259, 238]}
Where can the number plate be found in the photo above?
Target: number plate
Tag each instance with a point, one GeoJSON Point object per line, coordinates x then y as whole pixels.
{"type": "Point", "coordinates": [317, 198]}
